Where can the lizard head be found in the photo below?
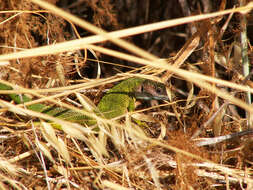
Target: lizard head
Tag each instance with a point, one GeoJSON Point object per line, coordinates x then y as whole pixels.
{"type": "Point", "coordinates": [155, 89]}
{"type": "Point", "coordinates": [150, 90]}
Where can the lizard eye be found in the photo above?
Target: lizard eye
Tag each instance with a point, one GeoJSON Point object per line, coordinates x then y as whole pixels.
{"type": "Point", "coordinates": [159, 90]}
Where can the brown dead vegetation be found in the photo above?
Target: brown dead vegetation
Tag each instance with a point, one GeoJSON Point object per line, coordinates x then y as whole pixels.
{"type": "Point", "coordinates": [165, 155]}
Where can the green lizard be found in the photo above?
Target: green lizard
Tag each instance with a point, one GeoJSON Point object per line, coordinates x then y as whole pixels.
{"type": "Point", "coordinates": [116, 102]}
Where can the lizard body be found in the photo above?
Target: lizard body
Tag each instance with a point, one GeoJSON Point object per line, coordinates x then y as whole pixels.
{"type": "Point", "coordinates": [116, 102]}
{"type": "Point", "coordinates": [120, 98]}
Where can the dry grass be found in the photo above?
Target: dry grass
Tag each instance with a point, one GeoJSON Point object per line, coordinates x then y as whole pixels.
{"type": "Point", "coordinates": [209, 99]}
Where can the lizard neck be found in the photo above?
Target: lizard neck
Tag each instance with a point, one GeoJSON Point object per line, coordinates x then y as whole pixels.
{"type": "Point", "coordinates": [128, 86]}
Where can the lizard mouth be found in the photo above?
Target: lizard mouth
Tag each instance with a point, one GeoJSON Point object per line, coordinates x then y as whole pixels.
{"type": "Point", "coordinates": [143, 95]}
{"type": "Point", "coordinates": [149, 96]}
